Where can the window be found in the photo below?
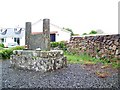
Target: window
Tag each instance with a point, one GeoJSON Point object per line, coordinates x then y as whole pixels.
{"type": "Point", "coordinates": [17, 40]}
{"type": "Point", "coordinates": [3, 40]}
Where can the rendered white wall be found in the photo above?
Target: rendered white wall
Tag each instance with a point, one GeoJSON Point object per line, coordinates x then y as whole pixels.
{"type": "Point", "coordinates": [22, 40]}
{"type": "Point", "coordinates": [62, 36]}
{"type": "Point", "coordinates": [9, 40]}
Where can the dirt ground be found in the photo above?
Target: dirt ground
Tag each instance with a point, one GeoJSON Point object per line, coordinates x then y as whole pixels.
{"type": "Point", "coordinates": [100, 70]}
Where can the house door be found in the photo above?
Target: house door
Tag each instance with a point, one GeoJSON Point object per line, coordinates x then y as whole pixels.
{"type": "Point", "coordinates": [52, 37]}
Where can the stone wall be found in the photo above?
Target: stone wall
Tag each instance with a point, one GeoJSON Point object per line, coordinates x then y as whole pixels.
{"type": "Point", "coordinates": [41, 40]}
{"type": "Point", "coordinates": [38, 60]}
{"type": "Point", "coordinates": [37, 41]}
{"type": "Point", "coordinates": [102, 46]}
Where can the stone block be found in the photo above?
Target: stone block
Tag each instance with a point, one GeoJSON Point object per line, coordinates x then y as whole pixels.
{"type": "Point", "coordinates": [38, 60]}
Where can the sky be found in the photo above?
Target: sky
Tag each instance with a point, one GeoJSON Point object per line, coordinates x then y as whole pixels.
{"type": "Point", "coordinates": [81, 16]}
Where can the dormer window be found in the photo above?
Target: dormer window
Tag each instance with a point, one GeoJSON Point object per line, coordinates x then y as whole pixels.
{"type": "Point", "coordinates": [3, 31]}
{"type": "Point", "coordinates": [17, 30]}
{"type": "Point", "coordinates": [0, 30]}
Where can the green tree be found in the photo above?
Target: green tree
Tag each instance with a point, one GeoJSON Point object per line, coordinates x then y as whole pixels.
{"type": "Point", "coordinates": [93, 32]}
{"type": "Point", "coordinates": [70, 30]}
{"type": "Point", "coordinates": [84, 34]}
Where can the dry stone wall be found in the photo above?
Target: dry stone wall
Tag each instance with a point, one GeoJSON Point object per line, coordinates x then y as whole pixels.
{"type": "Point", "coordinates": [38, 60]}
{"type": "Point", "coordinates": [102, 46]}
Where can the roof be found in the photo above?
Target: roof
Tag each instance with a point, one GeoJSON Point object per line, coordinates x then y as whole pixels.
{"type": "Point", "coordinates": [11, 32]}
{"type": "Point", "coordinates": [51, 32]}
{"type": "Point", "coordinates": [58, 28]}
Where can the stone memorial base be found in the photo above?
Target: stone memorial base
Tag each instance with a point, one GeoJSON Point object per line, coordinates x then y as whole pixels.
{"type": "Point", "coordinates": [38, 60]}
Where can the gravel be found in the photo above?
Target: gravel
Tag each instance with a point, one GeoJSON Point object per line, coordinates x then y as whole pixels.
{"type": "Point", "coordinates": [74, 76]}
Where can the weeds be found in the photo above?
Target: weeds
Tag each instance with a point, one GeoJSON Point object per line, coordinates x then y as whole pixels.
{"type": "Point", "coordinates": [86, 59]}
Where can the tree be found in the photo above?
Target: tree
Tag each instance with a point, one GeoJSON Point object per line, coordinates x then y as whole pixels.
{"type": "Point", "coordinates": [84, 34]}
{"type": "Point", "coordinates": [93, 32]}
{"type": "Point", "coordinates": [70, 30]}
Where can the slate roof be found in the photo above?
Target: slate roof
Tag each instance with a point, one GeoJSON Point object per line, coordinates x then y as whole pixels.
{"type": "Point", "coordinates": [11, 32]}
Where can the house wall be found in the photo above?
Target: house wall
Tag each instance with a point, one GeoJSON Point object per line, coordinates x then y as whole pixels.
{"type": "Point", "coordinates": [22, 40]}
{"type": "Point", "coordinates": [9, 40]}
{"type": "Point", "coordinates": [10, 35]}
{"type": "Point", "coordinates": [62, 36]}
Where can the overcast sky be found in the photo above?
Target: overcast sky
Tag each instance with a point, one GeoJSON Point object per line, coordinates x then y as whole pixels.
{"type": "Point", "coordinates": [79, 15]}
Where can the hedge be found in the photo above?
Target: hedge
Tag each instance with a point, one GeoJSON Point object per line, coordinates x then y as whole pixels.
{"type": "Point", "coordinates": [5, 53]}
{"type": "Point", "coordinates": [60, 45]}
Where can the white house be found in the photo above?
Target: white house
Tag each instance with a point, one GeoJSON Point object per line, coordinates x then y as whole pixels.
{"type": "Point", "coordinates": [62, 34]}
{"type": "Point", "coordinates": [56, 33]}
{"type": "Point", "coordinates": [11, 35]}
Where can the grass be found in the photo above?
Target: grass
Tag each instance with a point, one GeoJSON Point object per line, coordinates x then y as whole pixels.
{"type": "Point", "coordinates": [83, 59]}
{"type": "Point", "coordinates": [86, 59]}
{"type": "Point", "coordinates": [73, 58]}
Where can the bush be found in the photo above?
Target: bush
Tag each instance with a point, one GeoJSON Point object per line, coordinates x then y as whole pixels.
{"type": "Point", "coordinates": [1, 48]}
{"type": "Point", "coordinates": [60, 45]}
{"type": "Point", "coordinates": [5, 54]}
{"type": "Point", "coordinates": [18, 48]}
{"type": "Point", "coordinates": [1, 45]}
{"type": "Point", "coordinates": [93, 32]}
{"type": "Point", "coordinates": [54, 44]}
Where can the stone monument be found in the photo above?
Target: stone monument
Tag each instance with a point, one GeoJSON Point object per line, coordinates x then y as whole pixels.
{"type": "Point", "coordinates": [32, 59]}
{"type": "Point", "coordinates": [38, 40]}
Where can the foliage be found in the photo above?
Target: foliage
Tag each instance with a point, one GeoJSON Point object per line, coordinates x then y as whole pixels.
{"type": "Point", "coordinates": [84, 34]}
{"type": "Point", "coordinates": [83, 58]}
{"type": "Point", "coordinates": [1, 48]}
{"type": "Point", "coordinates": [1, 45]}
{"type": "Point", "coordinates": [72, 58]}
{"type": "Point", "coordinates": [70, 30]}
{"type": "Point", "coordinates": [18, 48]}
{"type": "Point", "coordinates": [54, 44]}
{"type": "Point", "coordinates": [93, 32]}
{"type": "Point", "coordinates": [5, 53]}
{"type": "Point", "coordinates": [75, 35]}
{"type": "Point", "coordinates": [60, 45]}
